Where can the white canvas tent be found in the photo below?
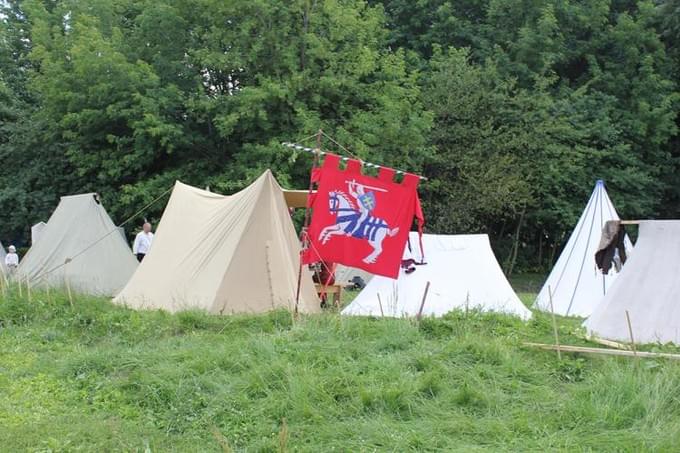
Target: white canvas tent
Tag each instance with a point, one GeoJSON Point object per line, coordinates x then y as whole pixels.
{"type": "Point", "coordinates": [345, 274]}
{"type": "Point", "coordinates": [36, 231]}
{"type": "Point", "coordinates": [576, 284]}
{"type": "Point", "coordinates": [223, 254]}
{"type": "Point", "coordinates": [80, 246]}
{"type": "Point", "coordinates": [462, 271]}
{"type": "Point", "coordinates": [648, 288]}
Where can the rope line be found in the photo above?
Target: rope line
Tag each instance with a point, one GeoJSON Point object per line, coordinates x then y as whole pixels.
{"type": "Point", "coordinates": [302, 140]}
{"type": "Point", "coordinates": [323, 153]}
{"type": "Point", "coordinates": [338, 144]}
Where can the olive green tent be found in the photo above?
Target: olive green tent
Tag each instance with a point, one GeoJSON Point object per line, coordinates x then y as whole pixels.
{"type": "Point", "coordinates": [80, 247]}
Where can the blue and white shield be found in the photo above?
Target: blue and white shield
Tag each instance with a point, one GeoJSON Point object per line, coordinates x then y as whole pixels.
{"type": "Point", "coordinates": [367, 200]}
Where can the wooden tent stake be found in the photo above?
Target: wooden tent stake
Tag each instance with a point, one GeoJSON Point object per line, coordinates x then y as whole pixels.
{"type": "Point", "coordinates": [380, 305]}
{"type": "Point", "coordinates": [68, 285]}
{"type": "Point", "coordinates": [422, 304]}
{"type": "Point", "coordinates": [554, 323]}
{"type": "Point", "coordinates": [630, 332]}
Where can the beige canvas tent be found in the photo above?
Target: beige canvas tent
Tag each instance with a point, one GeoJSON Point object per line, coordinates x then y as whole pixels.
{"type": "Point", "coordinates": [80, 246]}
{"type": "Point", "coordinates": [223, 254]}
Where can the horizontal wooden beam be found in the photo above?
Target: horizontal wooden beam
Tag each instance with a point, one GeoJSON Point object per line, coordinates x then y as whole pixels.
{"type": "Point", "coordinates": [296, 198]}
{"type": "Point", "coordinates": [585, 350]}
{"type": "Point", "coordinates": [630, 222]}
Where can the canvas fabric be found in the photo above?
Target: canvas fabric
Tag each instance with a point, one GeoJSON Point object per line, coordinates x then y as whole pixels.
{"type": "Point", "coordinates": [576, 284]}
{"type": "Point", "coordinates": [345, 274]}
{"type": "Point", "coordinates": [36, 231]}
{"type": "Point", "coordinates": [223, 254]}
{"type": "Point", "coordinates": [338, 232]}
{"type": "Point", "coordinates": [463, 274]}
{"type": "Point", "coordinates": [3, 254]}
{"type": "Point", "coordinates": [80, 247]}
{"type": "Point", "coordinates": [648, 288]}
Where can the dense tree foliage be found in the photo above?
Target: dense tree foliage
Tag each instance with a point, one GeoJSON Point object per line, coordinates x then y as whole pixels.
{"type": "Point", "coordinates": [512, 108]}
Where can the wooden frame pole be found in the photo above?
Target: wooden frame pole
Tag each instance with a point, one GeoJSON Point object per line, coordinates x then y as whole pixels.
{"type": "Point", "coordinates": [305, 225]}
{"type": "Point", "coordinates": [614, 352]}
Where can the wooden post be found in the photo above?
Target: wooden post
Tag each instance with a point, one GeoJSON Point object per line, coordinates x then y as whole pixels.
{"type": "Point", "coordinates": [305, 225]}
{"type": "Point", "coordinates": [283, 437]}
{"type": "Point", "coordinates": [267, 248]}
{"type": "Point", "coordinates": [28, 289]}
{"type": "Point", "coordinates": [380, 305]}
{"type": "Point", "coordinates": [21, 291]}
{"type": "Point", "coordinates": [68, 290]}
{"type": "Point", "coordinates": [467, 303]}
{"type": "Point", "coordinates": [68, 285]}
{"type": "Point", "coordinates": [554, 323]}
{"type": "Point", "coordinates": [422, 304]}
{"type": "Point", "coordinates": [5, 280]}
{"type": "Point", "coordinates": [3, 283]}
{"type": "Point", "coordinates": [630, 332]}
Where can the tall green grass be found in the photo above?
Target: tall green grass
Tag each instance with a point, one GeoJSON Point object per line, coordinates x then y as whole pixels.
{"type": "Point", "coordinates": [98, 377]}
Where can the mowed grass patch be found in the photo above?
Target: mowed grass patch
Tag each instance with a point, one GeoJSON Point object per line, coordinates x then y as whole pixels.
{"type": "Point", "coordinates": [98, 377]}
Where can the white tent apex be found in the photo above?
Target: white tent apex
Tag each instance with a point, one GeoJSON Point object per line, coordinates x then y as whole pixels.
{"type": "Point", "coordinates": [576, 285]}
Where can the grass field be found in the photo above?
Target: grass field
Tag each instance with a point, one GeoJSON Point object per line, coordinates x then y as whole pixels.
{"type": "Point", "coordinates": [96, 377]}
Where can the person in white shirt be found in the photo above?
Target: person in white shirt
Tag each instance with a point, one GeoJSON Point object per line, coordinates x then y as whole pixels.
{"type": "Point", "coordinates": [12, 259]}
{"type": "Point", "coordinates": [143, 242]}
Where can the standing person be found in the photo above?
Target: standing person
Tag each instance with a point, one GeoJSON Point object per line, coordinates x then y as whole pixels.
{"type": "Point", "coordinates": [12, 259]}
{"type": "Point", "coordinates": [143, 242]}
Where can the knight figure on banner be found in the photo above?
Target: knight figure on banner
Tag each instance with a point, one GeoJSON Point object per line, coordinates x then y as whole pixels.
{"type": "Point", "coordinates": [356, 220]}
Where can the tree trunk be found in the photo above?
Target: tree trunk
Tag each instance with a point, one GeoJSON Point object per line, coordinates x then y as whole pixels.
{"type": "Point", "coordinates": [515, 246]}
{"type": "Point", "coordinates": [305, 29]}
{"type": "Point", "coordinates": [540, 251]}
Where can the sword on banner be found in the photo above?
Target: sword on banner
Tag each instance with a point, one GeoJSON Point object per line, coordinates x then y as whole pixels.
{"type": "Point", "coordinates": [379, 189]}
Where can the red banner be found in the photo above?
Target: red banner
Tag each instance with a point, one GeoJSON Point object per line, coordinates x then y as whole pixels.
{"type": "Point", "coordinates": [359, 220]}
